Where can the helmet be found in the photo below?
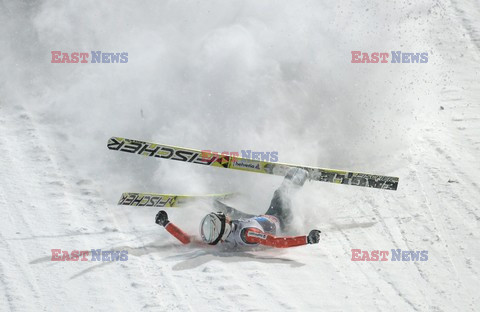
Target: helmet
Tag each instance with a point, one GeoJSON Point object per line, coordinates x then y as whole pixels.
{"type": "Point", "coordinates": [214, 227]}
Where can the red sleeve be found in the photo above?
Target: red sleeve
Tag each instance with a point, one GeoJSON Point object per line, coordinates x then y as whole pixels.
{"type": "Point", "coordinates": [177, 232]}
{"type": "Point", "coordinates": [253, 235]}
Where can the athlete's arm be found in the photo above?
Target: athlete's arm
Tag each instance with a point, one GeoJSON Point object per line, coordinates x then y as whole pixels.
{"type": "Point", "coordinates": [162, 219]}
{"type": "Point", "coordinates": [253, 235]}
{"type": "Point", "coordinates": [177, 233]}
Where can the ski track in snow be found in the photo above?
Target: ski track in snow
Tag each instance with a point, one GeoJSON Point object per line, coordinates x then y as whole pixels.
{"type": "Point", "coordinates": [47, 203]}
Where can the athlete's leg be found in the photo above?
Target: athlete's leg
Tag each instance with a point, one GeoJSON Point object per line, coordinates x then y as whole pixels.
{"type": "Point", "coordinates": [230, 211]}
{"type": "Point", "coordinates": [280, 206]}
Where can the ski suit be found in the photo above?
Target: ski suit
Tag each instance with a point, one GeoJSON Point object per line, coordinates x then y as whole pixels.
{"type": "Point", "coordinates": [251, 230]}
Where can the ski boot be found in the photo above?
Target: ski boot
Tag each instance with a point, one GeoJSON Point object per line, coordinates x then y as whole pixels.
{"type": "Point", "coordinates": [295, 177]}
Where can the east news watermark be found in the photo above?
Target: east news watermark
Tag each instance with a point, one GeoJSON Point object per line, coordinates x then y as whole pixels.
{"type": "Point", "coordinates": [271, 156]}
{"type": "Point", "coordinates": [395, 57]}
{"type": "Point", "coordinates": [86, 57]}
{"type": "Point", "coordinates": [89, 255]}
{"type": "Point", "coordinates": [389, 255]}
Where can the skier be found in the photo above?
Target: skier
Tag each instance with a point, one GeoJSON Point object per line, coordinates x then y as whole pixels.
{"type": "Point", "coordinates": [238, 229]}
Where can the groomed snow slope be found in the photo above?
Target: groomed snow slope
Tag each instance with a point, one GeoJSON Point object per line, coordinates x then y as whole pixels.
{"type": "Point", "coordinates": [269, 76]}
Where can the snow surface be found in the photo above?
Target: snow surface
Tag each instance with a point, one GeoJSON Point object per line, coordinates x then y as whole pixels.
{"type": "Point", "coordinates": [227, 76]}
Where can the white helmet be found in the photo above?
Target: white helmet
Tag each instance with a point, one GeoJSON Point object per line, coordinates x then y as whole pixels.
{"type": "Point", "coordinates": [214, 227]}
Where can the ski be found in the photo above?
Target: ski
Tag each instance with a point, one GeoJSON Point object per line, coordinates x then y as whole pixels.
{"type": "Point", "coordinates": [164, 200]}
{"type": "Point", "coordinates": [233, 162]}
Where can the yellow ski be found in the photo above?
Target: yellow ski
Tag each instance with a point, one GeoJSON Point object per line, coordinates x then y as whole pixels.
{"type": "Point", "coordinates": [164, 200]}
{"type": "Point", "coordinates": [233, 162]}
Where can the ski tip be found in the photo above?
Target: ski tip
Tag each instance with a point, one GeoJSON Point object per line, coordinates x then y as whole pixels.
{"type": "Point", "coordinates": [114, 143]}
{"type": "Point", "coordinates": [110, 141]}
